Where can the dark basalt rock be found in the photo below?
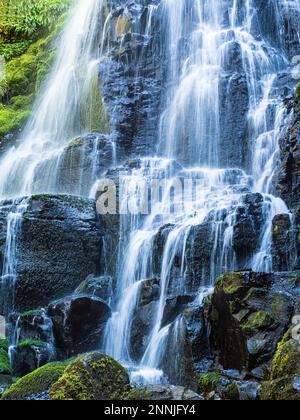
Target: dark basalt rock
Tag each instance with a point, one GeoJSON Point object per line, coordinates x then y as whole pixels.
{"type": "Point", "coordinates": [283, 250]}
{"type": "Point", "coordinates": [287, 179]}
{"type": "Point", "coordinates": [33, 325]}
{"type": "Point", "coordinates": [83, 162]}
{"type": "Point", "coordinates": [249, 315]}
{"type": "Point", "coordinates": [142, 320]}
{"type": "Point", "coordinates": [59, 246]}
{"type": "Point", "coordinates": [29, 356]}
{"type": "Point", "coordinates": [78, 323]}
{"type": "Point", "coordinates": [247, 228]}
{"type": "Point", "coordinates": [100, 287]}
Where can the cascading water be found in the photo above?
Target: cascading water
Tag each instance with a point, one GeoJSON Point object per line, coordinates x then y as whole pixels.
{"type": "Point", "coordinates": [199, 36]}
{"type": "Point", "coordinates": [64, 109]}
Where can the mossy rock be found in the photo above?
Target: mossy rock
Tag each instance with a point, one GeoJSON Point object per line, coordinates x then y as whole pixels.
{"type": "Point", "coordinates": [4, 345]}
{"type": "Point", "coordinates": [138, 394]}
{"type": "Point", "coordinates": [93, 376]}
{"type": "Point", "coordinates": [209, 382]}
{"type": "Point", "coordinates": [24, 74]}
{"type": "Point", "coordinates": [231, 392]}
{"type": "Point", "coordinates": [36, 382]}
{"type": "Point", "coordinates": [5, 367]}
{"type": "Point", "coordinates": [284, 383]}
{"type": "Point", "coordinates": [283, 389]}
{"type": "Point", "coordinates": [31, 343]}
{"type": "Point", "coordinates": [287, 358]}
{"type": "Point", "coordinates": [258, 321]}
{"type": "Point", "coordinates": [230, 283]}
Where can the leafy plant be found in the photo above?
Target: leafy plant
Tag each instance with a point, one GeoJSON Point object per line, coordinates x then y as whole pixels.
{"type": "Point", "coordinates": [20, 19]}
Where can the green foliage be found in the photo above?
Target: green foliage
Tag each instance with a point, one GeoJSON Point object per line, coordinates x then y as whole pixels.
{"type": "Point", "coordinates": [28, 19]}
{"type": "Point", "coordinates": [30, 343]}
{"type": "Point", "coordinates": [38, 381]}
{"type": "Point", "coordinates": [4, 344]}
{"type": "Point", "coordinates": [209, 382]}
{"type": "Point", "coordinates": [5, 367]}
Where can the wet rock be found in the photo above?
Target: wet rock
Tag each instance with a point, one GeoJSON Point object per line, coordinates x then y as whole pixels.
{"type": "Point", "coordinates": [59, 246]}
{"type": "Point", "coordinates": [250, 314]}
{"type": "Point", "coordinates": [248, 390]}
{"type": "Point", "coordinates": [143, 316]}
{"type": "Point", "coordinates": [285, 373]}
{"type": "Point", "coordinates": [132, 79]}
{"type": "Point", "coordinates": [32, 325]}
{"type": "Point", "coordinates": [78, 322]}
{"type": "Point", "coordinates": [28, 356]}
{"type": "Point", "coordinates": [288, 175]}
{"type": "Point", "coordinates": [171, 393]}
{"type": "Point", "coordinates": [85, 160]}
{"type": "Point", "coordinates": [248, 226]}
{"type": "Point", "coordinates": [282, 243]}
{"type": "Point", "coordinates": [100, 287]}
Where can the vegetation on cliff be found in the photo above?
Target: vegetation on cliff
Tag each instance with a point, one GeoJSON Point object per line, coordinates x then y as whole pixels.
{"type": "Point", "coordinates": [27, 34]}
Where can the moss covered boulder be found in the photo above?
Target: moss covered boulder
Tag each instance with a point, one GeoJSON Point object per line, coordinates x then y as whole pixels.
{"type": "Point", "coordinates": [250, 313]}
{"type": "Point", "coordinates": [37, 382]}
{"type": "Point", "coordinates": [284, 381]}
{"type": "Point", "coordinates": [92, 376]}
{"type": "Point", "coordinates": [5, 367]}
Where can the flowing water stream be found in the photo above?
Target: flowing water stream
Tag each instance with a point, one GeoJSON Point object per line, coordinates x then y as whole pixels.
{"type": "Point", "coordinates": [198, 37]}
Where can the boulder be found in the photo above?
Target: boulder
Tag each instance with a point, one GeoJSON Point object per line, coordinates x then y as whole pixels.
{"type": "Point", "coordinates": [92, 376]}
{"type": "Point", "coordinates": [85, 159]}
{"type": "Point", "coordinates": [58, 247]}
{"type": "Point", "coordinates": [36, 383]}
{"type": "Point", "coordinates": [78, 323]}
{"type": "Point", "coordinates": [284, 383]}
{"type": "Point", "coordinates": [28, 356]}
{"type": "Point", "coordinates": [249, 315]}
{"type": "Point", "coordinates": [283, 249]}
{"type": "Point", "coordinates": [100, 287]}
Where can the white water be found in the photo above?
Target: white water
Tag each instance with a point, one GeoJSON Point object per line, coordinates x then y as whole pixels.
{"type": "Point", "coordinates": [62, 111]}
{"type": "Point", "coordinates": [197, 41]}
{"type": "Point", "coordinates": [9, 269]}
{"type": "Point", "coordinates": [197, 44]}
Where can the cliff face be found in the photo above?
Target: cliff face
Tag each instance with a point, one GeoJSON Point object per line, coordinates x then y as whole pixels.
{"type": "Point", "coordinates": [68, 263]}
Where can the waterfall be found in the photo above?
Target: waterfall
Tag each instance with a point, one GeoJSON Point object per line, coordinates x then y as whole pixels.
{"type": "Point", "coordinates": [9, 269]}
{"type": "Point", "coordinates": [199, 37]}
{"type": "Point", "coordinates": [208, 46]}
{"type": "Point", "coordinates": [63, 110]}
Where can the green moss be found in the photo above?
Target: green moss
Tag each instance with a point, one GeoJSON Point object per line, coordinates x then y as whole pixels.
{"type": "Point", "coordinates": [287, 358]}
{"type": "Point", "coordinates": [285, 371]}
{"type": "Point", "coordinates": [231, 392]}
{"type": "Point", "coordinates": [5, 367]}
{"type": "Point", "coordinates": [31, 314]}
{"type": "Point", "coordinates": [4, 345]}
{"type": "Point", "coordinates": [38, 381]}
{"type": "Point", "coordinates": [22, 80]}
{"type": "Point", "coordinates": [209, 382]}
{"type": "Point", "coordinates": [258, 320]}
{"type": "Point", "coordinates": [230, 283]}
{"type": "Point", "coordinates": [298, 91]}
{"type": "Point", "coordinates": [138, 394]}
{"type": "Point", "coordinates": [92, 377]}
{"type": "Point", "coordinates": [30, 343]}
{"type": "Point", "coordinates": [13, 49]}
